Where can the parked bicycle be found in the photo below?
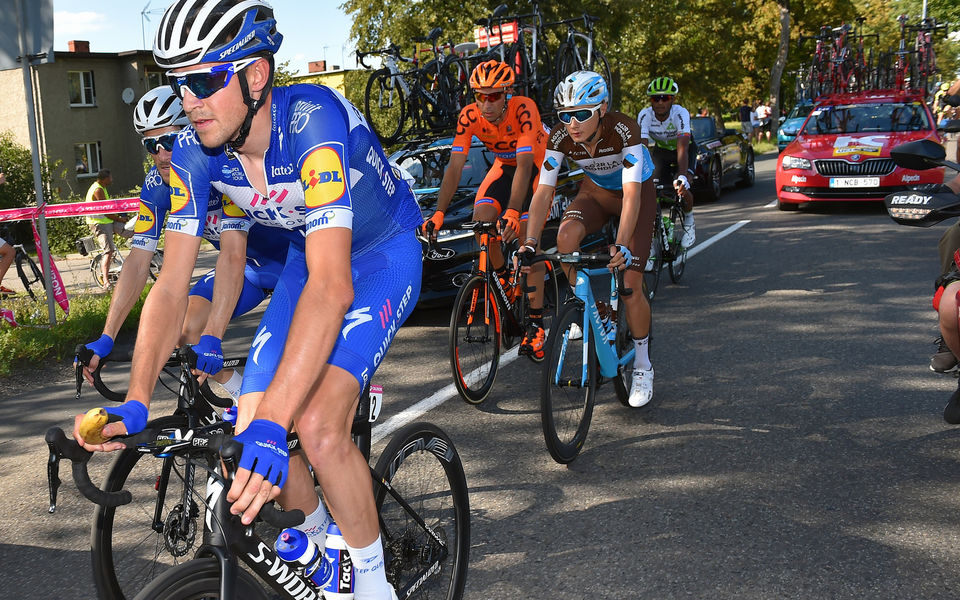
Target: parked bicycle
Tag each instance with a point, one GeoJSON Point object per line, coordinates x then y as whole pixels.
{"type": "Point", "coordinates": [27, 270]}
{"type": "Point", "coordinates": [129, 551]}
{"type": "Point", "coordinates": [88, 246]}
{"type": "Point", "coordinates": [578, 52]}
{"type": "Point", "coordinates": [489, 314]}
{"type": "Point", "coordinates": [589, 345]}
{"type": "Point", "coordinates": [667, 233]}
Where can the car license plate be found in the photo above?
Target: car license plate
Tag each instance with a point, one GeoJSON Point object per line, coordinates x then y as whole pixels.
{"type": "Point", "coordinates": [854, 182]}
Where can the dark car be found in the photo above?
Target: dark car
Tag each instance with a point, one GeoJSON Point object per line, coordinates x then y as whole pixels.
{"type": "Point", "coordinates": [450, 263]}
{"type": "Point", "coordinates": [724, 157]}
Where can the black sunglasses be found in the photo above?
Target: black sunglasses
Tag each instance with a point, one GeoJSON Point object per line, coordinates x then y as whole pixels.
{"type": "Point", "coordinates": [660, 98]}
{"type": "Point", "coordinates": [165, 141]}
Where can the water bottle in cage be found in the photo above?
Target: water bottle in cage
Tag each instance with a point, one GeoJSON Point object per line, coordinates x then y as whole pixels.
{"type": "Point", "coordinates": [296, 547]}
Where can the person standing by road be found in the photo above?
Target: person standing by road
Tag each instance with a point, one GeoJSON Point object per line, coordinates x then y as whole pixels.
{"type": "Point", "coordinates": [106, 225]}
{"type": "Point", "coordinates": [746, 122]}
{"type": "Point", "coordinates": [763, 115]}
{"type": "Point", "coordinates": [7, 252]}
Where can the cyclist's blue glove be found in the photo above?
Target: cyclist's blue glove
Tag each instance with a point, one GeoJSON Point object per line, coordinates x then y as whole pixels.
{"type": "Point", "coordinates": [265, 450]}
{"type": "Point", "coordinates": [133, 415]}
{"type": "Point", "coordinates": [209, 354]}
{"type": "Point", "coordinates": [102, 347]}
{"type": "Point", "coordinates": [627, 256]}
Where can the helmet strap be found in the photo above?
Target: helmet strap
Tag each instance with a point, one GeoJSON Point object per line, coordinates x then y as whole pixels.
{"type": "Point", "coordinates": [253, 105]}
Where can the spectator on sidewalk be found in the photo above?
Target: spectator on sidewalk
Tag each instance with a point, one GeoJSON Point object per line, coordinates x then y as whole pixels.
{"type": "Point", "coordinates": [106, 225]}
{"type": "Point", "coordinates": [763, 115]}
{"type": "Point", "coordinates": [746, 122]}
{"type": "Point", "coordinates": [7, 252]}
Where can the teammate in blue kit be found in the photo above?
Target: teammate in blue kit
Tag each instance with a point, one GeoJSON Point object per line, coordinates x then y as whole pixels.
{"type": "Point", "coordinates": [159, 117]}
{"type": "Point", "coordinates": [302, 160]}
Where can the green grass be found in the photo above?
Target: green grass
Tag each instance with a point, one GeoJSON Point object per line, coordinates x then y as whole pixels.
{"type": "Point", "coordinates": [35, 340]}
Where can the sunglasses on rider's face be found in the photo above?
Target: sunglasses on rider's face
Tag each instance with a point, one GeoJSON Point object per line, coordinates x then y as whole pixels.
{"type": "Point", "coordinates": [660, 98]}
{"type": "Point", "coordinates": [207, 81]}
{"type": "Point", "coordinates": [481, 97]}
{"type": "Point", "coordinates": [581, 115]}
{"type": "Point", "coordinates": [165, 141]}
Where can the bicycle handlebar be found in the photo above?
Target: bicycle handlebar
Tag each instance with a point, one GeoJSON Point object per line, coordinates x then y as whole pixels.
{"type": "Point", "coordinates": [587, 260]}
{"type": "Point", "coordinates": [213, 440]}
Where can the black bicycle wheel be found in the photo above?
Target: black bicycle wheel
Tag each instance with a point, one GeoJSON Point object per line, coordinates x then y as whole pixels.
{"type": "Point", "coordinates": [679, 263]}
{"type": "Point", "coordinates": [422, 466]}
{"type": "Point", "coordinates": [29, 273]}
{"type": "Point", "coordinates": [385, 106]}
{"type": "Point", "coordinates": [199, 579]}
{"type": "Point", "coordinates": [600, 65]}
{"type": "Point", "coordinates": [624, 378]}
{"type": "Point", "coordinates": [566, 400]}
{"type": "Point", "coordinates": [651, 273]}
{"type": "Point", "coordinates": [475, 340]}
{"type": "Point", "coordinates": [127, 551]}
{"type": "Point", "coordinates": [567, 62]}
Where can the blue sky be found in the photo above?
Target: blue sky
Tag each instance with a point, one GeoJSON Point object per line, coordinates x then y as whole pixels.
{"type": "Point", "coordinates": [115, 26]}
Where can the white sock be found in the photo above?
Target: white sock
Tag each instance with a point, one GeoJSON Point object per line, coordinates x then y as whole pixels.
{"type": "Point", "coordinates": [641, 360]}
{"type": "Point", "coordinates": [232, 385]}
{"type": "Point", "coordinates": [371, 576]}
{"type": "Point", "coordinates": [315, 525]}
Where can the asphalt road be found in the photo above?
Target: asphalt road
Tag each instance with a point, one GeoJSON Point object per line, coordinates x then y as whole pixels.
{"type": "Point", "coordinates": [794, 447]}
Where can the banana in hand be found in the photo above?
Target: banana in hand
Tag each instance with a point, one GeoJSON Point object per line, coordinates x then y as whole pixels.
{"type": "Point", "coordinates": [91, 427]}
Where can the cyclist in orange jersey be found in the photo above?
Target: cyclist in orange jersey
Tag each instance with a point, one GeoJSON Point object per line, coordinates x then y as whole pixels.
{"type": "Point", "coordinates": [510, 127]}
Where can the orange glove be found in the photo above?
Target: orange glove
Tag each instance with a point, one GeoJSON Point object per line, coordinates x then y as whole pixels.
{"type": "Point", "coordinates": [436, 220]}
{"type": "Point", "coordinates": [511, 219]}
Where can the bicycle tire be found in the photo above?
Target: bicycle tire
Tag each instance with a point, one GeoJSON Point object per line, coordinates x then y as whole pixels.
{"type": "Point", "coordinates": [445, 90]}
{"type": "Point", "coordinates": [126, 552]}
{"type": "Point", "coordinates": [423, 466]}
{"type": "Point", "coordinates": [566, 407]}
{"type": "Point", "coordinates": [469, 357]}
{"type": "Point", "coordinates": [199, 579]}
{"type": "Point", "coordinates": [29, 275]}
{"type": "Point", "coordinates": [566, 62]}
{"type": "Point", "coordinates": [651, 277]}
{"type": "Point", "coordinates": [679, 263]}
{"type": "Point", "coordinates": [600, 65]}
{"type": "Point", "coordinates": [385, 106]}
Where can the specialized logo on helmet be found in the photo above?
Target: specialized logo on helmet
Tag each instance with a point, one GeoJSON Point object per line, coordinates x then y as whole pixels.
{"type": "Point", "coordinates": [322, 177]}
{"type": "Point", "coordinates": [179, 193]}
{"type": "Point", "coordinates": [238, 45]}
{"type": "Point", "coordinates": [145, 220]}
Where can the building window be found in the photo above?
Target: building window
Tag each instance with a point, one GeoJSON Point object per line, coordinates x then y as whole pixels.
{"type": "Point", "coordinates": [87, 158]}
{"type": "Point", "coordinates": [155, 79]}
{"type": "Point", "coordinates": [82, 92]}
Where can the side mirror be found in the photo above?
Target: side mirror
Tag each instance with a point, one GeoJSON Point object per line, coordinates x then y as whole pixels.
{"type": "Point", "coordinates": [919, 155]}
{"type": "Point", "coordinates": [951, 126]}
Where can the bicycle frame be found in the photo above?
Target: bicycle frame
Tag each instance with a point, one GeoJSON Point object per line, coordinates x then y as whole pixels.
{"type": "Point", "coordinates": [593, 325]}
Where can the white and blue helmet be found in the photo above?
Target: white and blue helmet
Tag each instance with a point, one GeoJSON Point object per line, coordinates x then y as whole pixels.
{"type": "Point", "coordinates": [200, 31]}
{"type": "Point", "coordinates": [582, 88]}
{"type": "Point", "coordinates": [159, 108]}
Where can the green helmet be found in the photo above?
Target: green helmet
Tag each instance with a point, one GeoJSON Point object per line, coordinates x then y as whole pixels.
{"type": "Point", "coordinates": [663, 86]}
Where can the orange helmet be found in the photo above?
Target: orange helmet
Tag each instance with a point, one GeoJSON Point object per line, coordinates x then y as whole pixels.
{"type": "Point", "coordinates": [492, 74]}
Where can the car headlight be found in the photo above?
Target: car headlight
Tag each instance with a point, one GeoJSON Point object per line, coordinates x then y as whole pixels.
{"type": "Point", "coordinates": [795, 162]}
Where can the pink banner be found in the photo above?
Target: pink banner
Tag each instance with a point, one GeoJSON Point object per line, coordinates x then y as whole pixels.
{"type": "Point", "coordinates": [73, 209]}
{"type": "Point", "coordinates": [56, 282]}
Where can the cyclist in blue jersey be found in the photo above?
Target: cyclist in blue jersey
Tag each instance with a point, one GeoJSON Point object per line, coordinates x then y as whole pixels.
{"type": "Point", "coordinates": [302, 160]}
{"type": "Point", "coordinates": [618, 183]}
{"type": "Point", "coordinates": [158, 117]}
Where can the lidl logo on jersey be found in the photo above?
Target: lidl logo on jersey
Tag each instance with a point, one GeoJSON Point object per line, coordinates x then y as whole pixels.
{"type": "Point", "coordinates": [322, 178]}
{"type": "Point", "coordinates": [179, 193]}
{"type": "Point", "coordinates": [230, 209]}
{"type": "Point", "coordinates": [145, 220]}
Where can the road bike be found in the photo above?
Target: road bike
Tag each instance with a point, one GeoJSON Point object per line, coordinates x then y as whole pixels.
{"type": "Point", "coordinates": [665, 248]}
{"type": "Point", "coordinates": [490, 313]}
{"type": "Point", "coordinates": [578, 52]}
{"type": "Point", "coordinates": [163, 503]}
{"type": "Point", "coordinates": [400, 101]}
{"type": "Point", "coordinates": [88, 246]}
{"type": "Point", "coordinates": [27, 270]}
{"type": "Point", "coordinates": [589, 344]}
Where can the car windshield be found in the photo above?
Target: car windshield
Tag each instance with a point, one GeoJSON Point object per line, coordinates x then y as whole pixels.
{"type": "Point", "coordinates": [800, 112]}
{"type": "Point", "coordinates": [859, 118]}
{"type": "Point", "coordinates": [702, 128]}
{"type": "Point", "coordinates": [427, 165]}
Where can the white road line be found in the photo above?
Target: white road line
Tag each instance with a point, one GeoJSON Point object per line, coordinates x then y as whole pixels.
{"type": "Point", "coordinates": [773, 204]}
{"type": "Point", "coordinates": [410, 414]}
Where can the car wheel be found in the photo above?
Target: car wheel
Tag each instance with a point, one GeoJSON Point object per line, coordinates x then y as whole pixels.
{"type": "Point", "coordinates": [749, 171]}
{"type": "Point", "coordinates": [787, 206]}
{"type": "Point", "coordinates": [714, 179]}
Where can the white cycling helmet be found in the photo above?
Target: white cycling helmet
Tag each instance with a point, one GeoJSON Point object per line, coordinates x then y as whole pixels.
{"type": "Point", "coordinates": [200, 31]}
{"type": "Point", "coordinates": [158, 108]}
{"type": "Point", "coordinates": [582, 88]}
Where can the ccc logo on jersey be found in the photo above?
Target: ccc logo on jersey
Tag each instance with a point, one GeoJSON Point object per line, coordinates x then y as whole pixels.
{"type": "Point", "coordinates": [145, 220]}
{"type": "Point", "coordinates": [179, 193]}
{"type": "Point", "coordinates": [322, 177]}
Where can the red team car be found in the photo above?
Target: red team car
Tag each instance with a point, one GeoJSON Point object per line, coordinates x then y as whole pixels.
{"type": "Point", "coordinates": [842, 152]}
